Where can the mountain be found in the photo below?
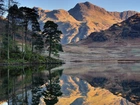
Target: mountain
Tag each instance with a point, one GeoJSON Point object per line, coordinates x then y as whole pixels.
{"type": "Point", "coordinates": [80, 21]}
{"type": "Point", "coordinates": [89, 12]}
{"type": "Point", "coordinates": [67, 24]}
{"type": "Point", "coordinates": [119, 33]}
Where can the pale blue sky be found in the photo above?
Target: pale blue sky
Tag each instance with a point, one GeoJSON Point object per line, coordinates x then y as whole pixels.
{"type": "Point", "coordinates": [110, 5]}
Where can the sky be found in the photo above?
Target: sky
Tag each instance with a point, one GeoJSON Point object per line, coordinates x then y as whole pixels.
{"type": "Point", "coordinates": [109, 5]}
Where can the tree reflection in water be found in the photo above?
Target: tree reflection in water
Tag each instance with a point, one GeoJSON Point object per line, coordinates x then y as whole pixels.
{"type": "Point", "coordinates": [25, 85]}
{"type": "Point", "coordinates": [52, 87]}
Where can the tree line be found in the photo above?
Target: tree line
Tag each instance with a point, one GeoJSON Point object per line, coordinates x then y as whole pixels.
{"type": "Point", "coordinates": [32, 41]}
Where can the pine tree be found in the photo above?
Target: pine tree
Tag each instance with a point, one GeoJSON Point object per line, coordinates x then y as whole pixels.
{"type": "Point", "coordinates": [14, 17]}
{"type": "Point", "coordinates": [29, 15]}
{"type": "Point", "coordinates": [52, 36]}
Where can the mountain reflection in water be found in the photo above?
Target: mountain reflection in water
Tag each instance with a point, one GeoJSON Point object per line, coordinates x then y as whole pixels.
{"type": "Point", "coordinates": [122, 79]}
{"type": "Point", "coordinates": [25, 85]}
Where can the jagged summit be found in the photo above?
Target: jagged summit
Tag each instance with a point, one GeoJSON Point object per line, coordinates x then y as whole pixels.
{"type": "Point", "coordinates": [93, 6]}
{"type": "Point", "coordinates": [82, 10]}
{"type": "Point", "coordinates": [87, 5]}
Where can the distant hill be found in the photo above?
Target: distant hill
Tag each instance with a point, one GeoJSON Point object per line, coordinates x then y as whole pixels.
{"type": "Point", "coordinates": [120, 32]}
{"type": "Point", "coordinates": [123, 15]}
{"type": "Point", "coordinates": [81, 20]}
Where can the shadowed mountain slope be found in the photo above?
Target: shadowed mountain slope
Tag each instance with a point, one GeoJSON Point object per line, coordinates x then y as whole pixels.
{"type": "Point", "coordinates": [80, 21]}
{"type": "Point", "coordinates": [119, 33]}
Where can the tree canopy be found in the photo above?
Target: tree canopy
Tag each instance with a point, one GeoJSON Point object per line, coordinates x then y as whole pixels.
{"type": "Point", "coordinates": [52, 37]}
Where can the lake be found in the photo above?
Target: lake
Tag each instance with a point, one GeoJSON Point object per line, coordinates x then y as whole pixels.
{"type": "Point", "coordinates": [100, 69]}
{"type": "Point", "coordinates": [119, 78]}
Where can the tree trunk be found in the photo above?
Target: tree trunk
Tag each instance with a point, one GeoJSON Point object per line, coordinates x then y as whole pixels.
{"type": "Point", "coordinates": [22, 42]}
{"type": "Point", "coordinates": [50, 49]}
{"type": "Point", "coordinates": [26, 97]}
{"type": "Point", "coordinates": [8, 84]}
{"type": "Point", "coordinates": [8, 32]}
{"type": "Point", "coordinates": [26, 26]}
{"type": "Point", "coordinates": [22, 84]}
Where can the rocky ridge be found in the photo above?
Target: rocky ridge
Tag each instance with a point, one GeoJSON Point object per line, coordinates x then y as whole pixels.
{"type": "Point", "coordinates": [122, 32]}
{"type": "Point", "coordinates": [80, 21]}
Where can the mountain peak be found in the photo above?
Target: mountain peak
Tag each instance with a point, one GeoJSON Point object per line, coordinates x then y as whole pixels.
{"type": "Point", "coordinates": [82, 10]}
{"type": "Point", "coordinates": [86, 5]}
{"type": "Point", "coordinates": [87, 2]}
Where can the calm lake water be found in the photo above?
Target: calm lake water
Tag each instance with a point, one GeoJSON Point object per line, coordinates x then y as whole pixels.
{"type": "Point", "coordinates": [119, 78]}
{"type": "Point", "coordinates": [18, 84]}
{"type": "Point", "coordinates": [21, 85]}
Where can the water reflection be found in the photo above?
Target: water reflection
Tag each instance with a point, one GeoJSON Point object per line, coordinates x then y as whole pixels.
{"type": "Point", "coordinates": [122, 79]}
{"type": "Point", "coordinates": [129, 89]}
{"type": "Point", "coordinates": [26, 85]}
